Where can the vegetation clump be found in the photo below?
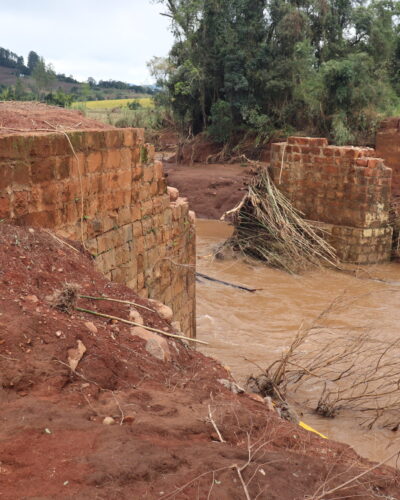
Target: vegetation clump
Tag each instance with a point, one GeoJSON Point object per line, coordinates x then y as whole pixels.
{"type": "Point", "coordinates": [266, 67]}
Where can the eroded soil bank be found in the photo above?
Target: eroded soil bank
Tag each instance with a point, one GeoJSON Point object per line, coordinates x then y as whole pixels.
{"type": "Point", "coordinates": [163, 443]}
{"type": "Point", "coordinates": [211, 188]}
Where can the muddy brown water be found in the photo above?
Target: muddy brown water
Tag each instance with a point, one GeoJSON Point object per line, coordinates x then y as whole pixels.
{"type": "Point", "coordinates": [242, 326]}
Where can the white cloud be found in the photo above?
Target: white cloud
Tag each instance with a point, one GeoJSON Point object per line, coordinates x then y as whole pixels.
{"type": "Point", "coordinates": [85, 38]}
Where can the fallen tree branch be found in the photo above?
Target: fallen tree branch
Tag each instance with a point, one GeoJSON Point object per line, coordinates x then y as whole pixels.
{"type": "Point", "coordinates": [133, 323]}
{"type": "Point", "coordinates": [209, 278]}
{"type": "Point", "coordinates": [61, 241]}
{"type": "Point", "coordinates": [355, 478]}
{"type": "Point", "coordinates": [116, 300]}
{"type": "Point", "coordinates": [215, 425]}
{"type": "Point", "coordinates": [239, 472]}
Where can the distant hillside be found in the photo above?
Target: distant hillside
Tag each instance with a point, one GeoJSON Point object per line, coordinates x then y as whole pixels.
{"type": "Point", "coordinates": [36, 79]}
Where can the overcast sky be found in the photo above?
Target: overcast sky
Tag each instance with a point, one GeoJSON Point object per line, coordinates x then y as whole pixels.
{"type": "Point", "coordinates": [99, 38]}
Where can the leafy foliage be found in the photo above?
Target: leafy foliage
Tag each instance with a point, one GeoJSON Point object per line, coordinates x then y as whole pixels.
{"type": "Point", "coordinates": [330, 67]}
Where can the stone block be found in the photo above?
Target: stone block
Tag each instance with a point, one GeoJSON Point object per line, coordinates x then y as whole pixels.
{"type": "Point", "coordinates": [43, 169]}
{"type": "Point", "coordinates": [148, 173]}
{"type": "Point", "coordinates": [5, 212]}
{"type": "Point", "coordinates": [94, 162]}
{"type": "Point", "coordinates": [173, 193]}
{"type": "Point", "coordinates": [111, 159]}
{"type": "Point", "coordinates": [114, 139]}
{"type": "Point", "coordinates": [6, 175]}
{"type": "Point", "coordinates": [158, 170]}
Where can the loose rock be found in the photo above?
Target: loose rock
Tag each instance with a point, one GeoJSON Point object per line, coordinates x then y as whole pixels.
{"type": "Point", "coordinates": [136, 316]}
{"type": "Point", "coordinates": [156, 345]}
{"type": "Point", "coordinates": [108, 421]}
{"type": "Point", "coordinates": [231, 386]}
{"type": "Point", "coordinates": [163, 311]}
{"type": "Point", "coordinates": [173, 193]}
{"type": "Point", "coordinates": [91, 327]}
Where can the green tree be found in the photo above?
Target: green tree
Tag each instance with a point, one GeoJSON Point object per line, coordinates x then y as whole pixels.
{"type": "Point", "coordinates": [44, 76]}
{"type": "Point", "coordinates": [33, 59]}
{"type": "Point", "coordinates": [267, 65]}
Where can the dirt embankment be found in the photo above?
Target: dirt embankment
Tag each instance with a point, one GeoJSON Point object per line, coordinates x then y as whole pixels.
{"type": "Point", "coordinates": [211, 189]}
{"type": "Point", "coordinates": [21, 117]}
{"type": "Point", "coordinates": [163, 443]}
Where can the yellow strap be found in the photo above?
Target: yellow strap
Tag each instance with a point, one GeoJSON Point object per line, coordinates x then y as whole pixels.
{"type": "Point", "coordinates": [308, 428]}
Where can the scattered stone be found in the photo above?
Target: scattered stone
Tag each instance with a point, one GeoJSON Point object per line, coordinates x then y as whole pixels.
{"type": "Point", "coordinates": [75, 355]}
{"type": "Point", "coordinates": [163, 311]}
{"type": "Point", "coordinates": [108, 421]}
{"type": "Point", "coordinates": [176, 325]}
{"type": "Point", "coordinates": [129, 418]}
{"type": "Point", "coordinates": [59, 333]}
{"type": "Point", "coordinates": [287, 413]}
{"type": "Point", "coordinates": [231, 386]}
{"type": "Point", "coordinates": [91, 327]}
{"type": "Point", "coordinates": [32, 298]}
{"type": "Point", "coordinates": [156, 345]}
{"type": "Point", "coordinates": [135, 316]}
{"type": "Point", "coordinates": [257, 397]}
{"type": "Point", "coordinates": [173, 193]}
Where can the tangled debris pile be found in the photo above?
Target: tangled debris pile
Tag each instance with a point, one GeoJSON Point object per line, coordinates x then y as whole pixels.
{"type": "Point", "coordinates": [269, 228]}
{"type": "Point", "coordinates": [89, 409]}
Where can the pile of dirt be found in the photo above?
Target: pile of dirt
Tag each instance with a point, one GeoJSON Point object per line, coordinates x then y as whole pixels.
{"type": "Point", "coordinates": [19, 117]}
{"type": "Point", "coordinates": [212, 189]}
{"type": "Point", "coordinates": [166, 415]}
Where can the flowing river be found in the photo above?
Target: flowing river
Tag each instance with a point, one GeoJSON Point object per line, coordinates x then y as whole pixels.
{"type": "Point", "coordinates": [245, 328]}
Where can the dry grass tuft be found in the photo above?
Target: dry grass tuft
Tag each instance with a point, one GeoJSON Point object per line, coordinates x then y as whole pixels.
{"type": "Point", "coordinates": [65, 300]}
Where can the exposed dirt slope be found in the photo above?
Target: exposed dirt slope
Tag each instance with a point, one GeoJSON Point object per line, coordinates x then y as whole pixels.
{"type": "Point", "coordinates": [53, 443]}
{"type": "Point", "coordinates": [211, 189]}
{"type": "Point", "coordinates": [16, 117]}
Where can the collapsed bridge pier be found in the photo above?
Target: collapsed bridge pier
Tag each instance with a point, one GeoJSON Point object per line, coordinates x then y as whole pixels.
{"type": "Point", "coordinates": [346, 190]}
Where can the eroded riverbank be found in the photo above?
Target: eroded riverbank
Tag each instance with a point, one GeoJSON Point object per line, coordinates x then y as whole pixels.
{"type": "Point", "coordinates": [245, 328]}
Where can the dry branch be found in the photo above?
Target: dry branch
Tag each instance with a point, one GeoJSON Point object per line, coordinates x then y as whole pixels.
{"type": "Point", "coordinates": [354, 371]}
{"type": "Point", "coordinates": [210, 417]}
{"type": "Point", "coordinates": [133, 323]}
{"type": "Point", "coordinates": [109, 299]}
{"type": "Point", "coordinates": [270, 229]}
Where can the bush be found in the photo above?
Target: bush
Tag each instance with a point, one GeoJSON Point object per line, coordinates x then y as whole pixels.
{"type": "Point", "coordinates": [222, 124]}
{"type": "Point", "coordinates": [134, 105]}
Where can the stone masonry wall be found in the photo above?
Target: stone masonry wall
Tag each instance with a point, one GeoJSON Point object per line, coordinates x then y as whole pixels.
{"type": "Point", "coordinates": [346, 189]}
{"type": "Point", "coordinates": [104, 188]}
{"type": "Point", "coordinates": [388, 147]}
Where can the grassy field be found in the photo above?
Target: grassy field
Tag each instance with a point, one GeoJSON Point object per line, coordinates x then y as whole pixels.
{"type": "Point", "coordinates": [145, 102]}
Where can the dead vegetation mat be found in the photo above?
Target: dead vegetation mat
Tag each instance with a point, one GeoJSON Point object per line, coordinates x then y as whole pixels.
{"type": "Point", "coordinates": [164, 442]}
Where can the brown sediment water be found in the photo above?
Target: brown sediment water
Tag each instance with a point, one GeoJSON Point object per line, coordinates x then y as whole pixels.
{"type": "Point", "coordinates": [244, 329]}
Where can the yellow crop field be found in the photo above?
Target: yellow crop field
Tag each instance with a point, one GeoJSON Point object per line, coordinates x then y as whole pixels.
{"type": "Point", "coordinates": [145, 102]}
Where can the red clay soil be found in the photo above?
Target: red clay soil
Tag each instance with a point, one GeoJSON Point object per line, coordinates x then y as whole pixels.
{"type": "Point", "coordinates": [54, 445]}
{"type": "Point", "coordinates": [17, 117]}
{"type": "Point", "coordinates": [211, 189]}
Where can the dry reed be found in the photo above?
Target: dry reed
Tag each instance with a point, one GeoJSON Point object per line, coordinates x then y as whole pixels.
{"type": "Point", "coordinates": [269, 228]}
